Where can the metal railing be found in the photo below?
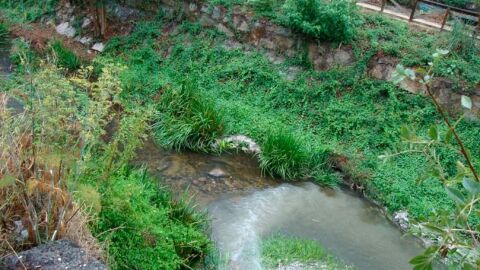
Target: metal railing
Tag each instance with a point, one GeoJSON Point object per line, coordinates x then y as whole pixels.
{"type": "Point", "coordinates": [448, 11]}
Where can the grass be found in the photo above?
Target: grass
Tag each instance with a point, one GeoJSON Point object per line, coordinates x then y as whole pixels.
{"type": "Point", "coordinates": [146, 228]}
{"type": "Point", "coordinates": [187, 119]}
{"type": "Point", "coordinates": [26, 11]}
{"type": "Point", "coordinates": [3, 34]}
{"type": "Point", "coordinates": [64, 57]}
{"type": "Point", "coordinates": [281, 250]}
{"type": "Point", "coordinates": [299, 124]}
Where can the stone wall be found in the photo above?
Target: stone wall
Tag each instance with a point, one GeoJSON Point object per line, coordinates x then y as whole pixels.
{"type": "Point", "coordinates": [277, 41]}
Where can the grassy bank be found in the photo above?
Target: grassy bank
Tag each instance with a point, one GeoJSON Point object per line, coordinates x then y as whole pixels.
{"type": "Point", "coordinates": [65, 129]}
{"type": "Point", "coordinates": [301, 123]}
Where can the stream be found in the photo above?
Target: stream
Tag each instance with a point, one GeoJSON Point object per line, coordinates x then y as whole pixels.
{"type": "Point", "coordinates": [245, 207]}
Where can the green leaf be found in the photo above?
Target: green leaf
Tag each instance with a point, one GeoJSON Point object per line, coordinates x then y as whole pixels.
{"type": "Point", "coordinates": [467, 102]}
{"type": "Point", "coordinates": [449, 136]}
{"type": "Point", "coordinates": [473, 187]}
{"type": "Point", "coordinates": [433, 133]}
{"type": "Point", "coordinates": [455, 195]}
{"type": "Point", "coordinates": [7, 180]}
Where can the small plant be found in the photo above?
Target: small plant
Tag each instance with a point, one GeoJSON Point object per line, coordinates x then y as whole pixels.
{"type": "Point", "coordinates": [322, 19]}
{"type": "Point", "coordinates": [64, 57]}
{"type": "Point", "coordinates": [187, 119]}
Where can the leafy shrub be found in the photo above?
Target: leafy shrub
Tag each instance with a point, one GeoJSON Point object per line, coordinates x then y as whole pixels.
{"type": "Point", "coordinates": [322, 19]}
{"type": "Point", "coordinates": [187, 119]}
{"type": "Point", "coordinates": [64, 57]}
{"type": "Point", "coordinates": [145, 228]}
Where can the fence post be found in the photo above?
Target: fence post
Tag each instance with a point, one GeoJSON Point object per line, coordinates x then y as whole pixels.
{"type": "Point", "coordinates": [413, 11]}
{"type": "Point", "coordinates": [445, 18]}
{"type": "Point", "coordinates": [383, 5]}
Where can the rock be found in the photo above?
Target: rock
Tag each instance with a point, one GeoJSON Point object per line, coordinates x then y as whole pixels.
{"type": "Point", "coordinates": [125, 13]}
{"type": "Point", "coordinates": [65, 29]}
{"type": "Point", "coordinates": [401, 219]}
{"type": "Point", "coordinates": [343, 57]}
{"type": "Point", "coordinates": [205, 21]}
{"type": "Point", "coordinates": [241, 142]}
{"type": "Point", "coordinates": [99, 47]}
{"type": "Point", "coordinates": [217, 13]}
{"type": "Point", "coordinates": [243, 27]}
{"type": "Point", "coordinates": [86, 22]}
{"type": "Point", "coordinates": [58, 255]}
{"type": "Point", "coordinates": [84, 40]}
{"type": "Point", "coordinates": [192, 7]}
{"type": "Point", "coordinates": [217, 173]}
{"type": "Point", "coordinates": [223, 29]}
{"type": "Point", "coordinates": [205, 9]}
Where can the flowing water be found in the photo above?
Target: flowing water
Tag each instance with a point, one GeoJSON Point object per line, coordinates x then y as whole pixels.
{"type": "Point", "coordinates": [245, 207]}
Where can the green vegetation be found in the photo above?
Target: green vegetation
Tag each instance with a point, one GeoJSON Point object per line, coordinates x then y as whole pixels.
{"type": "Point", "coordinates": [25, 11]}
{"type": "Point", "coordinates": [140, 222]}
{"type": "Point", "coordinates": [146, 228]}
{"type": "Point", "coordinates": [321, 19]}
{"type": "Point", "coordinates": [64, 57]}
{"type": "Point", "coordinates": [187, 120]}
{"type": "Point", "coordinates": [281, 250]}
{"type": "Point", "coordinates": [3, 34]}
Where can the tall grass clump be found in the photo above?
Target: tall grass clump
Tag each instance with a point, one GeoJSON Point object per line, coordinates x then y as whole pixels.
{"type": "Point", "coordinates": [3, 34]}
{"type": "Point", "coordinates": [279, 251]}
{"type": "Point", "coordinates": [64, 57]}
{"type": "Point", "coordinates": [324, 20]}
{"type": "Point", "coordinates": [283, 155]}
{"type": "Point", "coordinates": [187, 119]}
{"type": "Point", "coordinates": [25, 11]}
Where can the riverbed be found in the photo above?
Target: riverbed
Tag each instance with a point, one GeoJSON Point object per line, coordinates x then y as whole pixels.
{"type": "Point", "coordinates": [245, 207]}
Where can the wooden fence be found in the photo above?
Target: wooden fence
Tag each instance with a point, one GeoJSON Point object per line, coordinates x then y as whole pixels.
{"type": "Point", "coordinates": [448, 11]}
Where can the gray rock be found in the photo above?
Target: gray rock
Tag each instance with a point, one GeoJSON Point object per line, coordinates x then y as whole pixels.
{"type": "Point", "coordinates": [192, 7]}
{"type": "Point", "coordinates": [223, 29]}
{"type": "Point", "coordinates": [243, 27]}
{"type": "Point", "coordinates": [58, 255]}
{"type": "Point", "coordinates": [98, 47]}
{"type": "Point", "coordinates": [86, 22]}
{"type": "Point", "coordinates": [84, 40]}
{"type": "Point", "coordinates": [401, 219]}
{"type": "Point", "coordinates": [65, 29]}
{"type": "Point", "coordinates": [217, 13]}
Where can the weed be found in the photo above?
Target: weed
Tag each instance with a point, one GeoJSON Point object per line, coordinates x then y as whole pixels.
{"type": "Point", "coordinates": [64, 57]}
{"type": "Point", "coordinates": [282, 155]}
{"type": "Point", "coordinates": [279, 250]}
{"type": "Point", "coordinates": [187, 119]}
{"type": "Point", "coordinates": [145, 228]}
{"type": "Point", "coordinates": [322, 20]}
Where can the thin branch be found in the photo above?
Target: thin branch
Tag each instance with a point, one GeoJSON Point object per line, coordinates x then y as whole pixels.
{"type": "Point", "coordinates": [457, 137]}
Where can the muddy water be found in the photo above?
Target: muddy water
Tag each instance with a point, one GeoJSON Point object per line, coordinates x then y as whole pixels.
{"type": "Point", "coordinates": [245, 208]}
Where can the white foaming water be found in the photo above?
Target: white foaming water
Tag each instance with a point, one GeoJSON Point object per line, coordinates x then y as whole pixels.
{"type": "Point", "coordinates": [346, 225]}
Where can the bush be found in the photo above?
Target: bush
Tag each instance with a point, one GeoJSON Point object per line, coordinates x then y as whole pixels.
{"type": "Point", "coordinates": [322, 19]}
{"type": "Point", "coordinates": [64, 57]}
{"type": "Point", "coordinates": [145, 228]}
{"type": "Point", "coordinates": [187, 119]}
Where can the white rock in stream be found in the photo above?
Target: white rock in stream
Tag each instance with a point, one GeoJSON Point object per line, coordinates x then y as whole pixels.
{"type": "Point", "coordinates": [217, 173]}
{"type": "Point", "coordinates": [241, 142]}
{"type": "Point", "coordinates": [65, 29]}
{"type": "Point", "coordinates": [401, 219]}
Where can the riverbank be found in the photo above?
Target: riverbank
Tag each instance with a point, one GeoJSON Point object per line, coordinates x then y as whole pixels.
{"type": "Point", "coordinates": [204, 84]}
